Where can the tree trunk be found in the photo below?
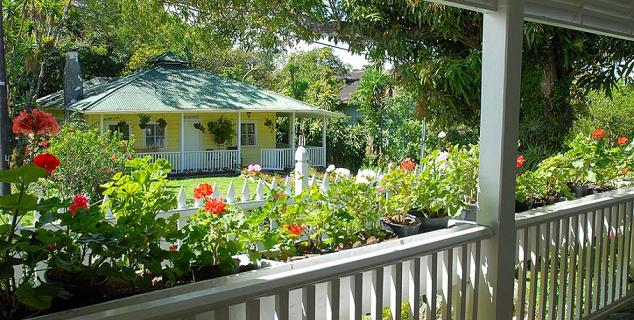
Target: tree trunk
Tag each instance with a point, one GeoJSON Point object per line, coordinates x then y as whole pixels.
{"type": "Point", "coordinates": [4, 110]}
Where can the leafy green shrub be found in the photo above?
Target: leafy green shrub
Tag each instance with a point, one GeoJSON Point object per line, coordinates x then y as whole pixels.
{"type": "Point", "coordinates": [88, 160]}
{"type": "Point", "coordinates": [615, 115]}
{"type": "Point", "coordinates": [136, 199]}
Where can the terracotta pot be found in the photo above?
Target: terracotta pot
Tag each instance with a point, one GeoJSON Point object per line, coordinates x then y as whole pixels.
{"type": "Point", "coordinates": [402, 230]}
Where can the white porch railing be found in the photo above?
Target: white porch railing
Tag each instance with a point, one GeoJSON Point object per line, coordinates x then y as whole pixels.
{"type": "Point", "coordinates": [283, 158]}
{"type": "Point", "coordinates": [216, 160]}
{"type": "Point", "coordinates": [574, 257]}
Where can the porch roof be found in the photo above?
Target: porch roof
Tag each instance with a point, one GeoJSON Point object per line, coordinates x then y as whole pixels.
{"type": "Point", "coordinates": [175, 88]}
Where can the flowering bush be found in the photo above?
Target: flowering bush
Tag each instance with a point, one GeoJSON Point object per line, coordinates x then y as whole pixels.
{"type": "Point", "coordinates": [88, 160]}
{"type": "Point", "coordinates": [33, 129]}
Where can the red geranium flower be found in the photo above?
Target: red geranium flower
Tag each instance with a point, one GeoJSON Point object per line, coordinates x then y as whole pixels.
{"type": "Point", "coordinates": [80, 201]}
{"type": "Point", "coordinates": [520, 161]}
{"type": "Point", "coordinates": [52, 246]}
{"type": "Point", "coordinates": [598, 134]}
{"type": "Point", "coordinates": [215, 206]}
{"type": "Point", "coordinates": [46, 161]}
{"type": "Point", "coordinates": [203, 190]}
{"type": "Point", "coordinates": [408, 164]}
{"type": "Point", "coordinates": [295, 229]}
{"type": "Point", "coordinates": [621, 140]}
{"type": "Point", "coordinates": [279, 195]}
{"type": "Point", "coordinates": [35, 122]}
{"type": "Point", "coordinates": [173, 249]}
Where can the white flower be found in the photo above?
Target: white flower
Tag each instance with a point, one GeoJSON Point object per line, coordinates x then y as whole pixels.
{"type": "Point", "coordinates": [342, 173]}
{"type": "Point", "coordinates": [442, 135]}
{"type": "Point", "coordinates": [365, 176]}
{"type": "Point", "coordinates": [330, 168]}
{"type": "Point", "coordinates": [441, 160]}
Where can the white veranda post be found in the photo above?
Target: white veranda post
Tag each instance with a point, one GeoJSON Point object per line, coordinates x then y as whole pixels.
{"type": "Point", "coordinates": [292, 132]}
{"type": "Point", "coordinates": [239, 138]}
{"type": "Point", "coordinates": [101, 123]}
{"type": "Point", "coordinates": [182, 142]}
{"type": "Point", "coordinates": [501, 80]}
{"type": "Point", "coordinates": [323, 138]}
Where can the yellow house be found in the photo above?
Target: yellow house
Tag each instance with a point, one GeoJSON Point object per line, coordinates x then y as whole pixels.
{"type": "Point", "coordinates": [171, 108]}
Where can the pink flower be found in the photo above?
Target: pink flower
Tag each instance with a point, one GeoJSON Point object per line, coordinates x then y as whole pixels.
{"type": "Point", "coordinates": [254, 168]}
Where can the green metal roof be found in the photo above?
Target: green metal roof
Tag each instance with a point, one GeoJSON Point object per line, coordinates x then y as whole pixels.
{"type": "Point", "coordinates": [176, 87]}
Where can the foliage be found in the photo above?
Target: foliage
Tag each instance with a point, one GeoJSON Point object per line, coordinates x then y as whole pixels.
{"type": "Point", "coordinates": [161, 122]}
{"type": "Point", "coordinates": [144, 119]}
{"type": "Point", "coordinates": [615, 114]}
{"type": "Point", "coordinates": [88, 159]}
{"type": "Point", "coordinates": [221, 129]}
{"type": "Point", "coordinates": [462, 168]}
{"type": "Point", "coordinates": [136, 200]}
{"type": "Point", "coordinates": [23, 247]}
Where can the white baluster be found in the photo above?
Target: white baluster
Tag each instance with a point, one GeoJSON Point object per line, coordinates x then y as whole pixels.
{"type": "Point", "coordinates": [313, 181]}
{"type": "Point", "coordinates": [259, 193]}
{"type": "Point", "coordinates": [231, 194]}
{"type": "Point", "coordinates": [198, 203]}
{"type": "Point", "coordinates": [181, 201]}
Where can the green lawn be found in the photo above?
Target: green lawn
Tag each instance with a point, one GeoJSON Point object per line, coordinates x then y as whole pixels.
{"type": "Point", "coordinates": [222, 183]}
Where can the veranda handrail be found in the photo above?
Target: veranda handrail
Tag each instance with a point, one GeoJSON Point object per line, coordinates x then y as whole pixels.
{"type": "Point", "coordinates": [338, 265]}
{"type": "Point", "coordinates": [573, 207]}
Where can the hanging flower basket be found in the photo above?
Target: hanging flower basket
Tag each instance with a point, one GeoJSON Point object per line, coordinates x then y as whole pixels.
{"type": "Point", "coordinates": [199, 126]}
{"type": "Point", "coordinates": [162, 123]}
{"type": "Point", "coordinates": [144, 119]}
{"type": "Point", "coordinates": [221, 129]}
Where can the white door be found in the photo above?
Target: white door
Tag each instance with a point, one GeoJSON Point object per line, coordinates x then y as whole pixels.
{"type": "Point", "coordinates": [193, 140]}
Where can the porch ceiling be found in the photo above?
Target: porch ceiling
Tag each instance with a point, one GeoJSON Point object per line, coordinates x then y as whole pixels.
{"type": "Point", "coordinates": [606, 17]}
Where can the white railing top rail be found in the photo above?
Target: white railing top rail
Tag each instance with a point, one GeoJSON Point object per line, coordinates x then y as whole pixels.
{"type": "Point", "coordinates": [290, 276]}
{"type": "Point", "coordinates": [565, 209]}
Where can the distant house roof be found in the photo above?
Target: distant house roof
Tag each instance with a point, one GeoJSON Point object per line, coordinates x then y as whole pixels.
{"type": "Point", "coordinates": [171, 85]}
{"type": "Point", "coordinates": [352, 82]}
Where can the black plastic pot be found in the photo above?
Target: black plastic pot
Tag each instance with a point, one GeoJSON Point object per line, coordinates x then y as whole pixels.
{"type": "Point", "coordinates": [403, 230]}
{"type": "Point", "coordinates": [206, 272]}
{"type": "Point", "coordinates": [468, 213]}
{"type": "Point", "coordinates": [434, 224]}
{"type": "Point", "coordinates": [578, 191]}
{"type": "Point", "coordinates": [78, 286]}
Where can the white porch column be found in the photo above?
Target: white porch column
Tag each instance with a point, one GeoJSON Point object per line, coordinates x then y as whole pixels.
{"type": "Point", "coordinates": [182, 143]}
{"type": "Point", "coordinates": [239, 139]}
{"type": "Point", "coordinates": [501, 78]}
{"type": "Point", "coordinates": [292, 131]}
{"type": "Point", "coordinates": [101, 123]}
{"type": "Point", "coordinates": [323, 140]}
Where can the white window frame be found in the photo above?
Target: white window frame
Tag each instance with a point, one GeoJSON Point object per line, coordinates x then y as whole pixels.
{"type": "Point", "coordinates": [109, 123]}
{"type": "Point", "coordinates": [255, 134]}
{"type": "Point", "coordinates": [164, 137]}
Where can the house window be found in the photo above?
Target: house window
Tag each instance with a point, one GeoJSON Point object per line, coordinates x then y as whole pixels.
{"type": "Point", "coordinates": [154, 136]}
{"type": "Point", "coordinates": [247, 134]}
{"type": "Point", "coordinates": [121, 127]}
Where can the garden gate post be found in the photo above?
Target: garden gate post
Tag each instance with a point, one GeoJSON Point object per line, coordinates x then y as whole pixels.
{"type": "Point", "coordinates": [301, 170]}
{"type": "Point", "coordinates": [501, 82]}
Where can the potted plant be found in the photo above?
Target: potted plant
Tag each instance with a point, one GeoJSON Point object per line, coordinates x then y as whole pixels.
{"type": "Point", "coordinates": [399, 200]}
{"type": "Point", "coordinates": [21, 297]}
{"type": "Point", "coordinates": [136, 199]}
{"type": "Point", "coordinates": [582, 159]}
{"type": "Point", "coordinates": [222, 130]}
{"type": "Point", "coordinates": [199, 126]}
{"type": "Point", "coordinates": [212, 240]}
{"type": "Point", "coordinates": [144, 119]}
{"type": "Point", "coordinates": [161, 122]}
{"type": "Point", "coordinates": [80, 248]}
{"type": "Point", "coordinates": [462, 180]}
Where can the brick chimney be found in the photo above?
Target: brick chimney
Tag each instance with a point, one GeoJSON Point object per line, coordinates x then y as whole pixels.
{"type": "Point", "coordinates": [73, 82]}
